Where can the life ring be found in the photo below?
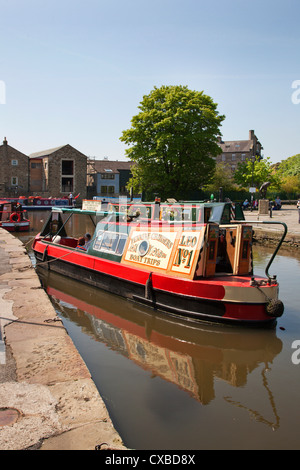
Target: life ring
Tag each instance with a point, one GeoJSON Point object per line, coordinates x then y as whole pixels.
{"type": "Point", "coordinates": [15, 217]}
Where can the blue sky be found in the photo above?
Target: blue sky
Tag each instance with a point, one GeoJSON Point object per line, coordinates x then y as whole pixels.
{"type": "Point", "coordinates": [74, 72]}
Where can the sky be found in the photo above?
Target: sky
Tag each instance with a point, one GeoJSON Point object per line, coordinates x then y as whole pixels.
{"type": "Point", "coordinates": [74, 72]}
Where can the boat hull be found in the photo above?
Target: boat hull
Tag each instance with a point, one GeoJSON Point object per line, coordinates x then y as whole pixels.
{"type": "Point", "coordinates": [208, 300]}
{"type": "Point", "coordinates": [16, 226]}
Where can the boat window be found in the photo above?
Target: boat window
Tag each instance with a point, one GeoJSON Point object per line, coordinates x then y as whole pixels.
{"type": "Point", "coordinates": [207, 211]}
{"type": "Point", "coordinates": [121, 244]}
{"type": "Point", "coordinates": [110, 242]}
{"type": "Point", "coordinates": [216, 214]}
{"type": "Point", "coordinates": [226, 215]}
{"type": "Point", "coordinates": [186, 214]}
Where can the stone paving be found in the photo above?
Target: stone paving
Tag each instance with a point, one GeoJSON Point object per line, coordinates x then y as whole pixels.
{"type": "Point", "coordinates": [48, 400]}
{"type": "Point", "coordinates": [270, 234]}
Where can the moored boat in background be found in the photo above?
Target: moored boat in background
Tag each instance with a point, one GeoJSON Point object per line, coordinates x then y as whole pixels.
{"type": "Point", "coordinates": [12, 217]}
{"type": "Point", "coordinates": [43, 203]}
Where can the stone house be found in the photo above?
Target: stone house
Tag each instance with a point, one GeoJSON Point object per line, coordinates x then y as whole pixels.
{"type": "Point", "coordinates": [57, 172]}
{"type": "Point", "coordinates": [14, 172]}
{"type": "Point", "coordinates": [236, 151]}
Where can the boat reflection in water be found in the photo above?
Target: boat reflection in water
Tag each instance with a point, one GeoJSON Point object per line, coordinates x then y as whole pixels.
{"type": "Point", "coordinates": [185, 353]}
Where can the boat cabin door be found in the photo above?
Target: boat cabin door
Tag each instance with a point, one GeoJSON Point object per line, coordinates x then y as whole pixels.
{"type": "Point", "coordinates": [212, 238]}
{"type": "Point", "coordinates": [238, 248]}
{"type": "Point", "coordinates": [245, 247]}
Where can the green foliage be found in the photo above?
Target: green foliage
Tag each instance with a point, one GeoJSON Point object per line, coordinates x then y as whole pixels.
{"type": "Point", "coordinates": [290, 166]}
{"type": "Point", "coordinates": [173, 140]}
{"type": "Point", "coordinates": [258, 173]}
{"type": "Point", "coordinates": [289, 172]}
{"type": "Point", "coordinates": [222, 177]}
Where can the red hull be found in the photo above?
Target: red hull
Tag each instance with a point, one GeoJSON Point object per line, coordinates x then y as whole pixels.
{"type": "Point", "coordinates": [16, 227]}
{"type": "Point", "coordinates": [226, 299]}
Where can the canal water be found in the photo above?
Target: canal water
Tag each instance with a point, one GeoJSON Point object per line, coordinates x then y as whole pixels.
{"type": "Point", "coordinates": [170, 384]}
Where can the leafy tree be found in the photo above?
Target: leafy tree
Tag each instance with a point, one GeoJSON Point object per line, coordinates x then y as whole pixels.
{"type": "Point", "coordinates": [290, 166]}
{"type": "Point", "coordinates": [289, 172]}
{"type": "Point", "coordinates": [222, 177]}
{"type": "Point", "coordinates": [291, 185]}
{"type": "Point", "coordinates": [173, 140]}
{"type": "Point", "coordinates": [260, 172]}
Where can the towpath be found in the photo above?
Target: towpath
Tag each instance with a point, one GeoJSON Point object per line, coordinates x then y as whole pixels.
{"type": "Point", "coordinates": [48, 400]}
{"type": "Point", "coordinates": [270, 234]}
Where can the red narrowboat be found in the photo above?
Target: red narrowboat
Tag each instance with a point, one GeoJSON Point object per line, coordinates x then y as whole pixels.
{"type": "Point", "coordinates": [190, 259]}
{"type": "Point", "coordinates": [13, 218]}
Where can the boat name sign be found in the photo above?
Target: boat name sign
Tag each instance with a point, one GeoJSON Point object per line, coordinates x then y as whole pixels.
{"type": "Point", "coordinates": [171, 251]}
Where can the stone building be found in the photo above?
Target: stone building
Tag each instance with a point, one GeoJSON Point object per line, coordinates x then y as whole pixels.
{"type": "Point", "coordinates": [57, 172]}
{"type": "Point", "coordinates": [237, 151]}
{"type": "Point", "coordinates": [14, 172]}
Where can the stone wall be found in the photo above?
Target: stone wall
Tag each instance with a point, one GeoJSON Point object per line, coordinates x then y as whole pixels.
{"type": "Point", "coordinates": [14, 171]}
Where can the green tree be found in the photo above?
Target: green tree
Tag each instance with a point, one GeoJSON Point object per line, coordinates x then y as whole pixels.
{"type": "Point", "coordinates": [291, 185]}
{"type": "Point", "coordinates": [290, 166]}
{"type": "Point", "coordinates": [173, 140]}
{"type": "Point", "coordinates": [222, 177]}
{"type": "Point", "coordinates": [289, 172]}
{"type": "Point", "coordinates": [256, 173]}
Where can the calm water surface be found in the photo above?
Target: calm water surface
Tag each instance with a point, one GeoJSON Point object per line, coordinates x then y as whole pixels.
{"type": "Point", "coordinates": [170, 384]}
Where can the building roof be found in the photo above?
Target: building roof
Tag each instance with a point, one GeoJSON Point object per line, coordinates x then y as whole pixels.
{"type": "Point", "coordinates": [236, 146]}
{"type": "Point", "coordinates": [101, 166]}
{"type": "Point", "coordinates": [45, 153]}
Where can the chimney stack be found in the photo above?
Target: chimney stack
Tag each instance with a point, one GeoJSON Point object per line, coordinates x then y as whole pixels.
{"type": "Point", "coordinates": [4, 141]}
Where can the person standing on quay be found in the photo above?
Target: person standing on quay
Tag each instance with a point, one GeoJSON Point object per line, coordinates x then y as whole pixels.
{"type": "Point", "coordinates": [298, 207]}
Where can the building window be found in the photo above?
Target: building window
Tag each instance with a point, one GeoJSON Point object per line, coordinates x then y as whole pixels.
{"type": "Point", "coordinates": [67, 167]}
{"type": "Point", "coordinates": [233, 156]}
{"type": "Point", "coordinates": [14, 181]}
{"type": "Point", "coordinates": [107, 176]}
{"type": "Point", "coordinates": [223, 158]}
{"type": "Point", "coordinates": [67, 185]}
{"type": "Point", "coordinates": [103, 189]}
{"type": "Point", "coordinates": [243, 157]}
{"type": "Point", "coordinates": [14, 162]}
{"type": "Point", "coordinates": [67, 173]}
{"type": "Point", "coordinates": [111, 189]}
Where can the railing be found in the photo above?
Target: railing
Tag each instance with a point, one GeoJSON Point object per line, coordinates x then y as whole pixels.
{"type": "Point", "coordinates": [279, 244]}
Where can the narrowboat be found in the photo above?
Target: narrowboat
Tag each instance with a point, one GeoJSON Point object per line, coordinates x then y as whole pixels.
{"type": "Point", "coordinates": [186, 259]}
{"type": "Point", "coordinates": [42, 203]}
{"type": "Point", "coordinates": [12, 217]}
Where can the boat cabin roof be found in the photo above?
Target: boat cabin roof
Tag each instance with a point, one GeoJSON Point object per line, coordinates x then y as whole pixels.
{"type": "Point", "coordinates": [219, 213]}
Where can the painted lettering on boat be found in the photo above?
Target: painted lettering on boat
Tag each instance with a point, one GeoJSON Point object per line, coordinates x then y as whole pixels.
{"type": "Point", "coordinates": [150, 248]}
{"type": "Point", "coordinates": [174, 251]}
{"type": "Point", "coordinates": [186, 251]}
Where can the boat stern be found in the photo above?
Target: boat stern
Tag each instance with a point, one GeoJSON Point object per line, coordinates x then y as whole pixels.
{"type": "Point", "coordinates": [253, 300]}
